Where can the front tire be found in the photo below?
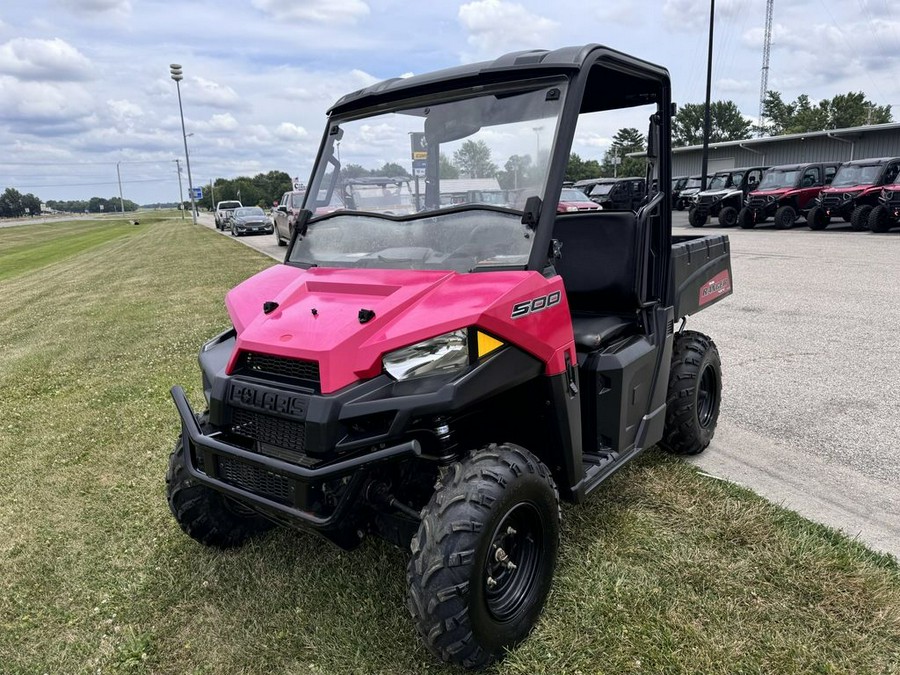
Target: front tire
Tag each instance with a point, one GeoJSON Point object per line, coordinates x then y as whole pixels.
{"type": "Point", "coordinates": [859, 221]}
{"type": "Point", "coordinates": [695, 218]}
{"type": "Point", "coordinates": [785, 217]}
{"type": "Point", "coordinates": [728, 216]}
{"type": "Point", "coordinates": [483, 558]}
{"type": "Point", "coordinates": [817, 219]}
{"type": "Point", "coordinates": [695, 394]}
{"type": "Point", "coordinates": [745, 219]}
{"type": "Point", "coordinates": [880, 219]}
{"type": "Point", "coordinates": [202, 513]}
{"type": "Point", "coordinates": [234, 232]}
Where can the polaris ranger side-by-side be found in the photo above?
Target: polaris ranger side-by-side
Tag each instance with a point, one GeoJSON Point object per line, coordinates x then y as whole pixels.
{"type": "Point", "coordinates": [724, 196]}
{"type": "Point", "coordinates": [442, 378]}
{"type": "Point", "coordinates": [854, 192]}
{"type": "Point", "coordinates": [886, 215]}
{"type": "Point", "coordinates": [785, 193]}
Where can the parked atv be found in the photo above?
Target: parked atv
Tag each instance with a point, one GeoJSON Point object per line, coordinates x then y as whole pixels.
{"type": "Point", "coordinates": [688, 191]}
{"type": "Point", "coordinates": [678, 184]}
{"type": "Point", "coordinates": [785, 193]}
{"type": "Point", "coordinates": [724, 196]}
{"type": "Point", "coordinates": [442, 378]}
{"type": "Point", "coordinates": [886, 215]}
{"type": "Point", "coordinates": [854, 192]}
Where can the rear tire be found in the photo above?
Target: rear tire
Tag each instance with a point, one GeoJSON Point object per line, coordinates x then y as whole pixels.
{"type": "Point", "coordinates": [679, 205]}
{"type": "Point", "coordinates": [880, 219]}
{"type": "Point", "coordinates": [859, 221]}
{"type": "Point", "coordinates": [499, 504]}
{"type": "Point", "coordinates": [785, 217]}
{"type": "Point", "coordinates": [728, 216]}
{"type": "Point", "coordinates": [695, 219]}
{"type": "Point", "coordinates": [695, 394]}
{"type": "Point", "coordinates": [745, 219]}
{"type": "Point", "coordinates": [205, 515]}
{"type": "Point", "coordinates": [817, 219]}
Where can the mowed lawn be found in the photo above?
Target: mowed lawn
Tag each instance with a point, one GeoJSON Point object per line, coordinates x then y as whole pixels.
{"type": "Point", "coordinates": [665, 570]}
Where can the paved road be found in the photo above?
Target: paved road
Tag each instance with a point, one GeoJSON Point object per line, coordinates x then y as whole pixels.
{"type": "Point", "coordinates": [811, 357]}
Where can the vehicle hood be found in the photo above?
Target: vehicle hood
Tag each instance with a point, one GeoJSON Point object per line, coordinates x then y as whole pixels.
{"type": "Point", "coordinates": [409, 306]}
{"type": "Point", "coordinates": [776, 193]}
{"type": "Point", "coordinates": [690, 191]}
{"type": "Point", "coordinates": [716, 193]}
{"type": "Point", "coordinates": [849, 188]}
{"type": "Point", "coordinates": [583, 204]}
{"type": "Point", "coordinates": [251, 219]}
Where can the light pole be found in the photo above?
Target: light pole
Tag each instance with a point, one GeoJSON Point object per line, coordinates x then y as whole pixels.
{"type": "Point", "coordinates": [537, 134]}
{"type": "Point", "coordinates": [175, 71]}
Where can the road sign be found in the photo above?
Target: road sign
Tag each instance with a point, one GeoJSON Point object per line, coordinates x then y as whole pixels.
{"type": "Point", "coordinates": [419, 147]}
{"type": "Point", "coordinates": [418, 172]}
{"type": "Point", "coordinates": [198, 193]}
{"type": "Point", "coordinates": [420, 164]}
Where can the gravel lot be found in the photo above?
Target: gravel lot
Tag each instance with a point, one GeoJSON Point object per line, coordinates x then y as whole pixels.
{"type": "Point", "coordinates": [811, 357]}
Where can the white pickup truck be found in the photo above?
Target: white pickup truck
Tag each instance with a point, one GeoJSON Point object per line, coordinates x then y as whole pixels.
{"type": "Point", "coordinates": [223, 210]}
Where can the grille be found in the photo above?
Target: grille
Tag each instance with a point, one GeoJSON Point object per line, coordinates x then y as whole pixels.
{"type": "Point", "coordinates": [706, 199]}
{"type": "Point", "coordinates": [757, 203]}
{"type": "Point", "coordinates": [831, 201]}
{"type": "Point", "coordinates": [269, 430]}
{"type": "Point", "coordinates": [280, 366]}
{"type": "Point", "coordinates": [254, 479]}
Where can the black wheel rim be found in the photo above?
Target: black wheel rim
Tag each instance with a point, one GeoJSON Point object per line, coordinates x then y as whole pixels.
{"type": "Point", "coordinates": [511, 569]}
{"type": "Point", "coordinates": [707, 396]}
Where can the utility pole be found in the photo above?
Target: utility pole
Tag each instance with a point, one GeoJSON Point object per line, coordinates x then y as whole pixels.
{"type": "Point", "coordinates": [121, 201]}
{"type": "Point", "coordinates": [706, 118]}
{"type": "Point", "coordinates": [180, 193]}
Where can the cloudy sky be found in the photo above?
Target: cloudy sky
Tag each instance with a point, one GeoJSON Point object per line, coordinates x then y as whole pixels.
{"type": "Point", "coordinates": [84, 84]}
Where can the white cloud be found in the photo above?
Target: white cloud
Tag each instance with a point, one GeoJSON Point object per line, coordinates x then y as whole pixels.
{"type": "Point", "coordinates": [286, 131]}
{"type": "Point", "coordinates": [213, 94]}
{"type": "Point", "coordinates": [124, 112]}
{"type": "Point", "coordinates": [689, 15]}
{"type": "Point", "coordinates": [324, 11]}
{"type": "Point", "coordinates": [43, 102]}
{"type": "Point", "coordinates": [48, 60]}
{"type": "Point", "coordinates": [727, 85]}
{"type": "Point", "coordinates": [497, 26]}
{"type": "Point", "coordinates": [97, 6]}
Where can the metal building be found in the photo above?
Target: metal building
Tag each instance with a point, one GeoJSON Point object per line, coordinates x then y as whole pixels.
{"type": "Point", "coordinates": [874, 140]}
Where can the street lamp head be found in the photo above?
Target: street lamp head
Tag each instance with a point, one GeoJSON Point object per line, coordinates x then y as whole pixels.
{"type": "Point", "coordinates": [175, 71]}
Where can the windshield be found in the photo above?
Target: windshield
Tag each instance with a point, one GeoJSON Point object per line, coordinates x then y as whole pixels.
{"type": "Point", "coordinates": [775, 179]}
{"type": "Point", "coordinates": [717, 182]}
{"type": "Point", "coordinates": [572, 195]}
{"type": "Point", "coordinates": [249, 211]}
{"type": "Point", "coordinates": [601, 189]}
{"type": "Point", "coordinates": [692, 183]}
{"type": "Point", "coordinates": [485, 151]}
{"type": "Point", "coordinates": [297, 200]}
{"type": "Point", "coordinates": [457, 240]}
{"type": "Point", "coordinates": [856, 174]}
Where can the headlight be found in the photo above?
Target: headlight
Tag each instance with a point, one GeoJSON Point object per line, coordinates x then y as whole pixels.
{"type": "Point", "coordinates": [441, 354]}
{"type": "Point", "coordinates": [571, 208]}
{"type": "Point", "coordinates": [771, 198]}
{"type": "Point", "coordinates": [850, 195]}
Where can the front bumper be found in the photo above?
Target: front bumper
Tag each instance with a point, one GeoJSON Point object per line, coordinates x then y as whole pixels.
{"type": "Point", "coordinates": [211, 452]}
{"type": "Point", "coordinates": [254, 228]}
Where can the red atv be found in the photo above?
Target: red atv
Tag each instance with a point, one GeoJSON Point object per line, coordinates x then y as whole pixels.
{"type": "Point", "coordinates": [886, 215]}
{"type": "Point", "coordinates": [442, 377]}
{"type": "Point", "coordinates": [853, 193]}
{"type": "Point", "coordinates": [784, 193]}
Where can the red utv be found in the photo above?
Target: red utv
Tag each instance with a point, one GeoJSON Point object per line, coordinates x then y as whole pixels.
{"type": "Point", "coordinates": [854, 192]}
{"type": "Point", "coordinates": [886, 215]}
{"type": "Point", "coordinates": [443, 376]}
{"type": "Point", "coordinates": [785, 193]}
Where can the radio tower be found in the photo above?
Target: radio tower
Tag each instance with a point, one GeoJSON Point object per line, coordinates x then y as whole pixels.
{"type": "Point", "coordinates": [764, 80]}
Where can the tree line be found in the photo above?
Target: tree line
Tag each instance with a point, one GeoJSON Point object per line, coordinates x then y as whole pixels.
{"type": "Point", "coordinates": [727, 123]}
{"type": "Point", "coordinates": [13, 204]}
{"type": "Point", "coordinates": [263, 189]}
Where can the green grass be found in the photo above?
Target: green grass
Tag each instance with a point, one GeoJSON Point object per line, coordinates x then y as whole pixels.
{"type": "Point", "coordinates": [663, 571]}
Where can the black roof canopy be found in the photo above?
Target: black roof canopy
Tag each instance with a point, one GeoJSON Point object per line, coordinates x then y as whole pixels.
{"type": "Point", "coordinates": [520, 66]}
